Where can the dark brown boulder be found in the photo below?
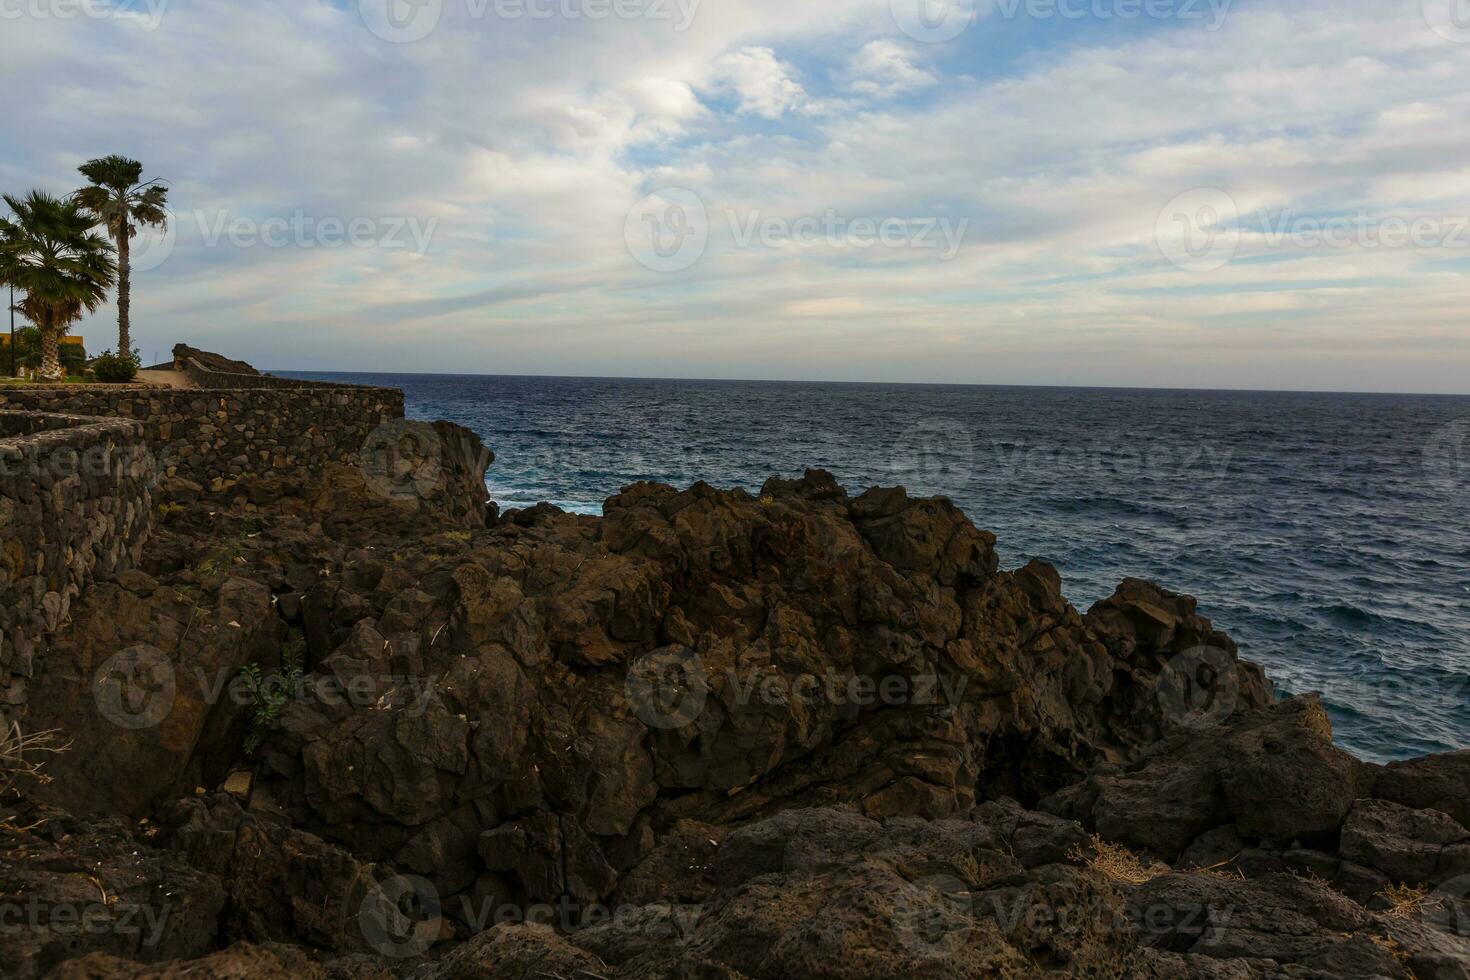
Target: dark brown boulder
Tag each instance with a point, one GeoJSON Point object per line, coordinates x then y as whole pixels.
{"type": "Point", "coordinates": [282, 884]}
{"type": "Point", "coordinates": [717, 735]}
{"type": "Point", "coordinates": [1274, 775]}
{"type": "Point", "coordinates": [72, 887]}
{"type": "Point", "coordinates": [1433, 782]}
{"type": "Point", "coordinates": [1408, 846]}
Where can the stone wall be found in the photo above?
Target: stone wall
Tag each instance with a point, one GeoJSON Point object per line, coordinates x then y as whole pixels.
{"type": "Point", "coordinates": [215, 437]}
{"type": "Point", "coordinates": [79, 465]}
{"type": "Point", "coordinates": [204, 377]}
{"type": "Point", "coordinates": [76, 504]}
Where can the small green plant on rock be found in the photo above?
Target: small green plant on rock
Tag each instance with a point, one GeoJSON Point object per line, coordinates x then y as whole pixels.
{"type": "Point", "coordinates": [268, 694]}
{"type": "Point", "coordinates": [225, 557]}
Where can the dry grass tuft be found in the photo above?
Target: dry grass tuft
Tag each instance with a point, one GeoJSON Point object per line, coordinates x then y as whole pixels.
{"type": "Point", "coordinates": [1221, 870]}
{"type": "Point", "coordinates": [1391, 946]}
{"type": "Point", "coordinates": [1307, 874]}
{"type": "Point", "coordinates": [1118, 863]}
{"type": "Point", "coordinates": [1404, 901]}
{"type": "Point", "coordinates": [16, 744]}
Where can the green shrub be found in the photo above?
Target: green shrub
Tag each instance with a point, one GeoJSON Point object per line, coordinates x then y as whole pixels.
{"type": "Point", "coordinates": [268, 694]}
{"type": "Point", "coordinates": [116, 369]}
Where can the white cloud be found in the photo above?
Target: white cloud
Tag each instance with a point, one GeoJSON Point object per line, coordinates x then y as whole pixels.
{"type": "Point", "coordinates": [883, 69]}
{"type": "Point", "coordinates": [764, 85]}
{"type": "Point", "coordinates": [528, 142]}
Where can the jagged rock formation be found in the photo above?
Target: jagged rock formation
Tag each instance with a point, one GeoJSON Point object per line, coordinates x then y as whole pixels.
{"type": "Point", "coordinates": [710, 734]}
{"type": "Point", "coordinates": [186, 357]}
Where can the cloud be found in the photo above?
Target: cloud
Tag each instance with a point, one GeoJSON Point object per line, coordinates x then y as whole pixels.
{"type": "Point", "coordinates": [527, 142]}
{"type": "Point", "coordinates": [883, 69]}
{"type": "Point", "coordinates": [763, 85]}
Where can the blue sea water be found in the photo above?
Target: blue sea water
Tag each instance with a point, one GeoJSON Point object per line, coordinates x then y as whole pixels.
{"type": "Point", "coordinates": [1328, 533]}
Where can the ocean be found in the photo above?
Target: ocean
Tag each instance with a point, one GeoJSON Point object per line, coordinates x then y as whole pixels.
{"type": "Point", "coordinates": [1329, 534]}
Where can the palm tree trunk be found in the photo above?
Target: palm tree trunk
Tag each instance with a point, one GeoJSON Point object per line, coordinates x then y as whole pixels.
{"type": "Point", "coordinates": [50, 353]}
{"type": "Point", "coordinates": [124, 294]}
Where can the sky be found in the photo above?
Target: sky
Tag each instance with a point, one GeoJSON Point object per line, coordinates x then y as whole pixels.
{"type": "Point", "coordinates": [1159, 193]}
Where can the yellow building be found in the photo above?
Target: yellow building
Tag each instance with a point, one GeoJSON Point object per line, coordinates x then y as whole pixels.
{"type": "Point", "coordinates": [68, 339]}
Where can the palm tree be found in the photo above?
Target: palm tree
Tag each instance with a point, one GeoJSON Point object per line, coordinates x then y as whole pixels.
{"type": "Point", "coordinates": [123, 205]}
{"type": "Point", "coordinates": [49, 251]}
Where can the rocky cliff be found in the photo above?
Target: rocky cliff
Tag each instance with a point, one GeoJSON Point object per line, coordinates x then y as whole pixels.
{"type": "Point", "coordinates": [709, 734]}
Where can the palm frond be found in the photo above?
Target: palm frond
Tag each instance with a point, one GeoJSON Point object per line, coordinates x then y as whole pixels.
{"type": "Point", "coordinates": [49, 252]}
{"type": "Point", "coordinates": [150, 206]}
{"type": "Point", "coordinates": [116, 173]}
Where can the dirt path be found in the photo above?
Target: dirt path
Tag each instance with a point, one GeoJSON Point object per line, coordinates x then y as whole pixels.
{"type": "Point", "coordinates": [173, 379]}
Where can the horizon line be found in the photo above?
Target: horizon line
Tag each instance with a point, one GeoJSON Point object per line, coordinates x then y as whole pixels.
{"type": "Point", "coordinates": [893, 384]}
